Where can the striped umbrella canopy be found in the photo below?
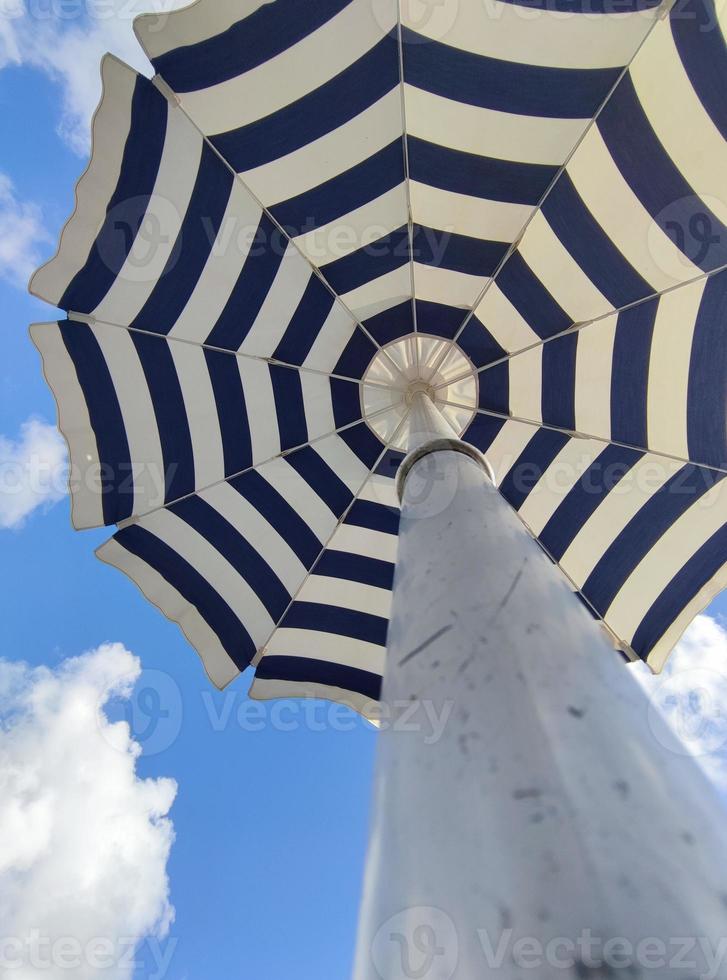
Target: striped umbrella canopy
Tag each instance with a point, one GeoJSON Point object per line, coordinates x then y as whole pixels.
{"type": "Point", "coordinates": [314, 209]}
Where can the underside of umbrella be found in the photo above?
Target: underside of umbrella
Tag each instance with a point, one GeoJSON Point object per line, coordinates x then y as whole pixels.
{"type": "Point", "coordinates": [316, 210]}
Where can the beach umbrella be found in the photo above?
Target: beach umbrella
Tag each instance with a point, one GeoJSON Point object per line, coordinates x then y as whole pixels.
{"type": "Point", "coordinates": [395, 345]}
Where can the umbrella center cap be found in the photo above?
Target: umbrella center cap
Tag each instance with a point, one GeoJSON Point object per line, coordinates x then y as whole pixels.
{"type": "Point", "coordinates": [417, 363]}
{"type": "Point", "coordinates": [415, 387]}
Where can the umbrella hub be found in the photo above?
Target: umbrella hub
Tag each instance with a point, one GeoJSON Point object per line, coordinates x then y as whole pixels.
{"type": "Point", "coordinates": [417, 363]}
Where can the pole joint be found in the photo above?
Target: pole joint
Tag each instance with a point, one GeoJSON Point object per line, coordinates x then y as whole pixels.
{"type": "Point", "coordinates": [442, 444]}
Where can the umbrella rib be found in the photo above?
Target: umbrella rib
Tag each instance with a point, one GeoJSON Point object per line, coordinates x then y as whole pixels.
{"type": "Point", "coordinates": [561, 170]}
{"type": "Point", "coordinates": [577, 434]}
{"type": "Point", "coordinates": [260, 358]}
{"type": "Point", "coordinates": [341, 520]}
{"type": "Point", "coordinates": [576, 327]}
{"type": "Point", "coordinates": [407, 175]}
{"type": "Point", "coordinates": [263, 462]}
{"type": "Point", "coordinates": [174, 99]}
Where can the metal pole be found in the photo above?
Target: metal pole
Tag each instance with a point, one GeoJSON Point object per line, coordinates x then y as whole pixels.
{"type": "Point", "coordinates": [528, 821]}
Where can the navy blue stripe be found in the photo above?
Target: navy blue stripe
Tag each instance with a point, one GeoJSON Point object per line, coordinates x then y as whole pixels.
{"type": "Point", "coordinates": [224, 372]}
{"type": "Point", "coordinates": [391, 324]}
{"type": "Point", "coordinates": [306, 323]}
{"type": "Point", "coordinates": [657, 181]}
{"type": "Point", "coordinates": [252, 287]}
{"type": "Point", "coordinates": [194, 588]}
{"type": "Point", "coordinates": [707, 389]}
{"type": "Point", "coordinates": [630, 373]}
{"type": "Point", "coordinates": [346, 400]}
{"type": "Point", "coordinates": [279, 514]}
{"type": "Point", "coordinates": [494, 385]}
{"type": "Point", "coordinates": [289, 406]}
{"type": "Point", "coordinates": [581, 501]}
{"type": "Point", "coordinates": [193, 246]}
{"type": "Point", "coordinates": [375, 517]}
{"type": "Point", "coordinates": [689, 580]}
{"type": "Point", "coordinates": [106, 420]}
{"type": "Point", "coordinates": [356, 356]}
{"type": "Point", "coordinates": [477, 176]}
{"type": "Point", "coordinates": [558, 393]}
{"type": "Point", "coordinates": [319, 112]}
{"type": "Point", "coordinates": [389, 464]}
{"type": "Point", "coordinates": [531, 465]}
{"type": "Point", "coordinates": [320, 477]}
{"type": "Point", "coordinates": [478, 344]}
{"type": "Point", "coordinates": [345, 192]}
{"type": "Point", "coordinates": [590, 246]}
{"type": "Point", "coordinates": [483, 431]}
{"type": "Point", "coordinates": [644, 530]}
{"type": "Point", "coordinates": [127, 207]}
{"type": "Point", "coordinates": [370, 262]}
{"type": "Point", "coordinates": [361, 441]}
{"type": "Point", "coordinates": [461, 253]}
{"type": "Point", "coordinates": [250, 42]}
{"type": "Point", "coordinates": [170, 411]}
{"type": "Point", "coordinates": [307, 671]}
{"type": "Point", "coordinates": [530, 298]}
{"type": "Point", "coordinates": [245, 559]}
{"type": "Point", "coordinates": [356, 568]}
{"type": "Point", "coordinates": [703, 52]}
{"type": "Point", "coordinates": [438, 319]}
{"type": "Point", "coordinates": [334, 619]}
{"type": "Point", "coordinates": [528, 90]}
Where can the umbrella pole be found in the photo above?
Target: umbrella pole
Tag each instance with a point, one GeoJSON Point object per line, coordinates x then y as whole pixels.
{"type": "Point", "coordinates": [531, 816]}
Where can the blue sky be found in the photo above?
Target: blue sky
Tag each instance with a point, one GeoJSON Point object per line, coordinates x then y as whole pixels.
{"type": "Point", "coordinates": [270, 824]}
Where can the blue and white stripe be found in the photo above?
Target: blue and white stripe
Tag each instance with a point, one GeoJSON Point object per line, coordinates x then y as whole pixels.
{"type": "Point", "coordinates": [541, 185]}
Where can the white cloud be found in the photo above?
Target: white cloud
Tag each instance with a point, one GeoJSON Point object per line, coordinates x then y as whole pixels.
{"type": "Point", "coordinates": [85, 841]}
{"type": "Point", "coordinates": [691, 694]}
{"type": "Point", "coordinates": [66, 40]}
{"type": "Point", "coordinates": [22, 235]}
{"type": "Point", "coordinates": [33, 471]}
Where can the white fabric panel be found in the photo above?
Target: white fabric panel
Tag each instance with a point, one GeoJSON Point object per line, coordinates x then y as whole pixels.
{"type": "Point", "coordinates": [219, 667]}
{"type": "Point", "coordinates": [537, 37]}
{"type": "Point", "coordinates": [661, 564]}
{"type": "Point", "coordinates": [221, 272]}
{"type": "Point", "coordinates": [594, 358]}
{"type": "Point", "coordinates": [626, 499]}
{"type": "Point", "coordinates": [318, 405]}
{"type": "Point", "coordinates": [74, 423]}
{"type": "Point", "coordinates": [279, 305]}
{"type": "Point", "coordinates": [507, 326]}
{"type": "Point", "coordinates": [199, 401]}
{"type": "Point", "coordinates": [362, 541]}
{"type": "Point", "coordinates": [526, 375]}
{"type": "Point", "coordinates": [348, 595]}
{"type": "Point", "coordinates": [290, 75]}
{"type": "Point", "coordinates": [137, 409]}
{"type": "Point", "coordinates": [671, 347]}
{"type": "Point", "coordinates": [166, 208]}
{"type": "Point", "coordinates": [329, 155]}
{"type": "Point", "coordinates": [94, 190]}
{"type": "Point", "coordinates": [497, 221]}
{"type": "Point", "coordinates": [489, 132]}
{"type": "Point", "coordinates": [261, 535]}
{"type": "Point", "coordinates": [440, 285]}
{"type": "Point", "coordinates": [260, 405]}
{"type": "Point", "coordinates": [560, 273]}
{"type": "Point", "coordinates": [331, 341]}
{"type": "Point", "coordinates": [317, 645]}
{"type": "Point", "coordinates": [381, 293]}
{"type": "Point", "coordinates": [355, 230]}
{"type": "Point", "coordinates": [309, 506]}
